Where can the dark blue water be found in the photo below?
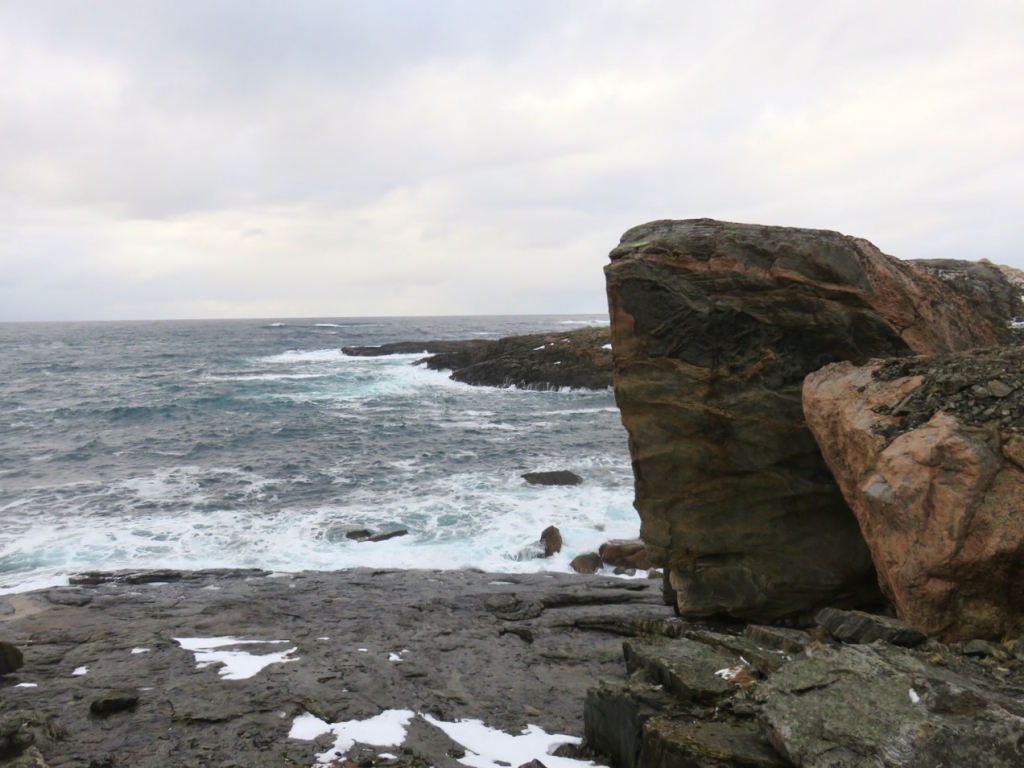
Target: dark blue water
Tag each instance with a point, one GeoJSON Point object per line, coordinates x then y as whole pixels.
{"type": "Point", "coordinates": [257, 443]}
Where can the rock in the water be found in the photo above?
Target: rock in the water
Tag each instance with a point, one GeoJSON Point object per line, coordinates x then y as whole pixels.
{"type": "Point", "coordinates": [551, 538]}
{"type": "Point", "coordinates": [859, 627]}
{"type": "Point", "coordinates": [559, 477]}
{"type": "Point", "coordinates": [117, 700]}
{"type": "Point", "coordinates": [625, 553]}
{"type": "Point", "coordinates": [860, 705]}
{"type": "Point", "coordinates": [934, 475]}
{"type": "Point", "coordinates": [714, 327]}
{"type": "Point", "coordinates": [11, 658]}
{"type": "Point", "coordinates": [588, 563]}
{"type": "Point", "coordinates": [580, 359]}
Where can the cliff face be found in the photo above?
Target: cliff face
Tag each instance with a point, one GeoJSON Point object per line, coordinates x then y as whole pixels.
{"type": "Point", "coordinates": [714, 327]}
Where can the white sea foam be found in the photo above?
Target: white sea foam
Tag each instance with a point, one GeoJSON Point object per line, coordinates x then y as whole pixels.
{"type": "Point", "coordinates": [468, 519]}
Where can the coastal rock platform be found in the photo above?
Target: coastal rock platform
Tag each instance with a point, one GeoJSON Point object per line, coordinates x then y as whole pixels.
{"type": "Point", "coordinates": [509, 650]}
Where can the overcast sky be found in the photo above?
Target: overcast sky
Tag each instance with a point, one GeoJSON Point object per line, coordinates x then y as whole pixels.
{"type": "Point", "coordinates": [184, 159]}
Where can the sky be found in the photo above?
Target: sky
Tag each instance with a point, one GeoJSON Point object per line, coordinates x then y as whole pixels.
{"type": "Point", "coordinates": [347, 158]}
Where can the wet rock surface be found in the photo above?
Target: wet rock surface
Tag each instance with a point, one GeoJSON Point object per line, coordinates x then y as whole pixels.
{"type": "Point", "coordinates": [506, 649]}
{"type": "Point", "coordinates": [579, 359]}
{"type": "Point", "coordinates": [937, 492]}
{"type": "Point", "coordinates": [557, 477]}
{"type": "Point", "coordinates": [714, 326]}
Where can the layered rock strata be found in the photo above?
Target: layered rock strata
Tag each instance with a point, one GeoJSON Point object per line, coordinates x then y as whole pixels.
{"type": "Point", "coordinates": [929, 452]}
{"type": "Point", "coordinates": [714, 327]}
{"type": "Point", "coordinates": [579, 359]}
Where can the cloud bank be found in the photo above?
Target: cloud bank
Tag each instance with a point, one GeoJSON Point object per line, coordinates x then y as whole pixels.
{"type": "Point", "coordinates": [257, 159]}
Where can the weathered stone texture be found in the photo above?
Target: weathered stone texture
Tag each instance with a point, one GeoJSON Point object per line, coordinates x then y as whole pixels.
{"type": "Point", "coordinates": [939, 501]}
{"type": "Point", "coordinates": [713, 328]}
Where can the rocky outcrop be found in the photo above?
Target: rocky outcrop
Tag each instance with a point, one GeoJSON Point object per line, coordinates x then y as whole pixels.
{"type": "Point", "coordinates": [992, 290]}
{"type": "Point", "coordinates": [558, 477]}
{"type": "Point", "coordinates": [625, 553]}
{"type": "Point", "coordinates": [714, 327]}
{"type": "Point", "coordinates": [929, 453]}
{"type": "Point", "coordinates": [708, 696]}
{"type": "Point", "coordinates": [579, 359]}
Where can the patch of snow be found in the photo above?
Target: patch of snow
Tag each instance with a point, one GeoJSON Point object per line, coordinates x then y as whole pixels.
{"type": "Point", "coordinates": [323, 638]}
{"type": "Point", "coordinates": [384, 730]}
{"type": "Point", "coordinates": [394, 657]}
{"type": "Point", "coordinates": [729, 673]}
{"type": "Point", "coordinates": [27, 685]}
{"type": "Point", "coordinates": [913, 696]}
{"type": "Point", "coordinates": [485, 747]}
{"type": "Point", "coordinates": [538, 349]}
{"type": "Point", "coordinates": [236, 665]}
{"type": "Point", "coordinates": [140, 650]}
{"type": "Point", "coordinates": [388, 756]}
{"type": "Point", "coordinates": [606, 346]}
{"type": "Point", "coordinates": [362, 650]}
{"type": "Point", "coordinates": [80, 670]}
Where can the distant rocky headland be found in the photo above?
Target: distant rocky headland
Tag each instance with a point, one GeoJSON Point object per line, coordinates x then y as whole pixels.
{"type": "Point", "coordinates": [828, 453]}
{"type": "Point", "coordinates": [580, 359]}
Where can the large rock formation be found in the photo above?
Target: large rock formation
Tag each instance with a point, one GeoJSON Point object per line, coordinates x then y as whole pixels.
{"type": "Point", "coordinates": [713, 328]}
{"type": "Point", "coordinates": [579, 359]}
{"type": "Point", "coordinates": [929, 454]}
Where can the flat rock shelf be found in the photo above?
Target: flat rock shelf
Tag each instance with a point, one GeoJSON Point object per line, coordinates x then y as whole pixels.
{"type": "Point", "coordinates": [248, 668]}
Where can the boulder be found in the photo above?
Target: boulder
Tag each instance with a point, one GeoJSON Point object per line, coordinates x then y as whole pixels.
{"type": "Point", "coordinates": [11, 658]}
{"type": "Point", "coordinates": [116, 700]}
{"type": "Point", "coordinates": [930, 459]}
{"type": "Point", "coordinates": [558, 477]}
{"type": "Point", "coordinates": [858, 627]}
{"type": "Point", "coordinates": [861, 705]}
{"type": "Point", "coordinates": [625, 553]}
{"type": "Point", "coordinates": [551, 539]}
{"type": "Point", "coordinates": [588, 563]}
{"type": "Point", "coordinates": [713, 328]}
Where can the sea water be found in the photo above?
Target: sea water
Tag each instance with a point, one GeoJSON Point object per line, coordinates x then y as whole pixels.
{"type": "Point", "coordinates": [258, 443]}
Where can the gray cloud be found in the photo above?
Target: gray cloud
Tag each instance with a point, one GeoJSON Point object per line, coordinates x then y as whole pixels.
{"type": "Point", "coordinates": [184, 159]}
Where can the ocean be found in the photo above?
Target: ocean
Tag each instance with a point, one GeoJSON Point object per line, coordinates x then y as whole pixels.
{"type": "Point", "coordinates": [258, 444]}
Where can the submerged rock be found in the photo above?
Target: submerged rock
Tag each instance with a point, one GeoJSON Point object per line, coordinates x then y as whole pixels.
{"type": "Point", "coordinates": [625, 553]}
{"type": "Point", "coordinates": [714, 326]}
